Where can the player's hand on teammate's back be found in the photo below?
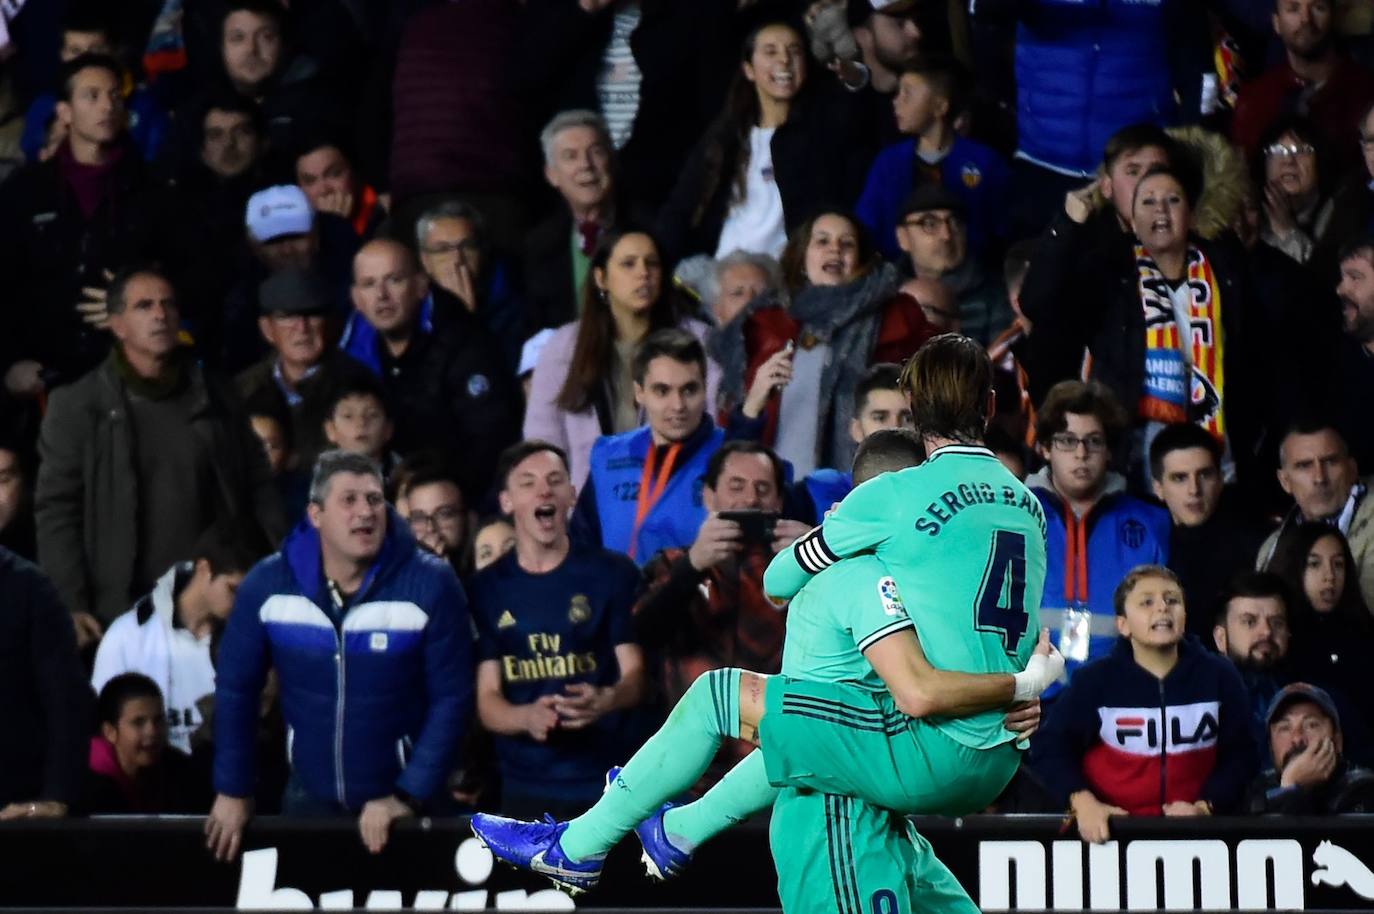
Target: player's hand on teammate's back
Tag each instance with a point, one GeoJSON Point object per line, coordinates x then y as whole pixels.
{"type": "Point", "coordinates": [582, 704]}
{"type": "Point", "coordinates": [1092, 815]}
{"type": "Point", "coordinates": [1023, 718]}
{"type": "Point", "coordinates": [541, 716]}
{"type": "Point", "coordinates": [786, 532]}
{"type": "Point", "coordinates": [716, 541]}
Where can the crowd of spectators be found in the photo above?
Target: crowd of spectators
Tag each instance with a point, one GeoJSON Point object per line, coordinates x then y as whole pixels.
{"type": "Point", "coordinates": [403, 398]}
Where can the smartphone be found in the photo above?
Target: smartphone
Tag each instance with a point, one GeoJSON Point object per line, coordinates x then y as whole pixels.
{"type": "Point", "coordinates": [755, 526]}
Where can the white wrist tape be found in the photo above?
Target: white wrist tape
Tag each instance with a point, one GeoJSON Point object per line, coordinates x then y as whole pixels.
{"type": "Point", "coordinates": [1040, 672]}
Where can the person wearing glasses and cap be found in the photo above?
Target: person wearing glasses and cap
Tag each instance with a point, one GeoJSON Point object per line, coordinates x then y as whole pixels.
{"type": "Point", "coordinates": [1096, 532]}
{"type": "Point", "coordinates": [1310, 774]}
{"type": "Point", "coordinates": [299, 375]}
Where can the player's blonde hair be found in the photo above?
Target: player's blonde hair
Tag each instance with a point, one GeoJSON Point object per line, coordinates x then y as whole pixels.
{"type": "Point", "coordinates": [949, 382]}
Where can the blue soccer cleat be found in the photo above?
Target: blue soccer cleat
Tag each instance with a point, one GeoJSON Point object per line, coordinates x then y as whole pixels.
{"type": "Point", "coordinates": [534, 846]}
{"type": "Point", "coordinates": [662, 859]}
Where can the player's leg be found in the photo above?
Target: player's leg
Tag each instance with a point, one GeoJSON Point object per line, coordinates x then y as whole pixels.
{"type": "Point", "coordinates": [936, 889]}
{"type": "Point", "coordinates": [721, 703]}
{"type": "Point", "coordinates": [665, 766]}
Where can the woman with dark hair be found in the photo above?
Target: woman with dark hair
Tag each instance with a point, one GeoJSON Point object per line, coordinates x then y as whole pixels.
{"type": "Point", "coordinates": [1166, 325]}
{"type": "Point", "coordinates": [582, 388]}
{"type": "Point", "coordinates": [791, 359]}
{"type": "Point", "coordinates": [1332, 630]}
{"type": "Point", "coordinates": [1295, 193]}
{"type": "Point", "coordinates": [782, 145]}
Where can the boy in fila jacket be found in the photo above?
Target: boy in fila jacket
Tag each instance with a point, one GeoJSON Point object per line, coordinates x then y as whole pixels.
{"type": "Point", "coordinates": [1159, 726]}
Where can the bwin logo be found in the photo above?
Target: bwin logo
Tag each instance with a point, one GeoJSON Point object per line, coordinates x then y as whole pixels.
{"type": "Point", "coordinates": [472, 862]}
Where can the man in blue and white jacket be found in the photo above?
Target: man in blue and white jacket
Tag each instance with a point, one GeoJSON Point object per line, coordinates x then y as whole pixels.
{"type": "Point", "coordinates": [371, 641]}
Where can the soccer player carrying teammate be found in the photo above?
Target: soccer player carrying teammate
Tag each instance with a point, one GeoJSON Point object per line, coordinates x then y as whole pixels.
{"type": "Point", "coordinates": [930, 525]}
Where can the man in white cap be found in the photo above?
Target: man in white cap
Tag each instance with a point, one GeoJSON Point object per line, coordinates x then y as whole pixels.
{"type": "Point", "coordinates": [282, 232]}
{"type": "Point", "coordinates": [281, 227]}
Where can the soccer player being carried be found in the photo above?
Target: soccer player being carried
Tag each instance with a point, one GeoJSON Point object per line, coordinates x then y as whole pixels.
{"type": "Point", "coordinates": [924, 731]}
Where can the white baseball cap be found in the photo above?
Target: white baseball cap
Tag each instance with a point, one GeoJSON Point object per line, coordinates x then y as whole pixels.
{"type": "Point", "coordinates": [277, 211]}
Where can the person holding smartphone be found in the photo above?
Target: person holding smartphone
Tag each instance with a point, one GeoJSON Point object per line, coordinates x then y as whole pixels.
{"type": "Point", "coordinates": [704, 607]}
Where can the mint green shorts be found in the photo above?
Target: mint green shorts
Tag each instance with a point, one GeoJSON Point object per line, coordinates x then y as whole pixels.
{"type": "Point", "coordinates": [840, 739]}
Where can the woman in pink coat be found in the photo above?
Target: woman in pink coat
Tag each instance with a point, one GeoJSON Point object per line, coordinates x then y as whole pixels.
{"type": "Point", "coordinates": [582, 388]}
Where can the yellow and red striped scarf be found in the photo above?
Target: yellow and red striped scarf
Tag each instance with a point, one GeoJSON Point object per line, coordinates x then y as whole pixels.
{"type": "Point", "coordinates": [1182, 385]}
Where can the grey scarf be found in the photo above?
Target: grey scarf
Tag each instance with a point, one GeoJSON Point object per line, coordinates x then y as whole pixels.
{"type": "Point", "coordinates": [846, 317]}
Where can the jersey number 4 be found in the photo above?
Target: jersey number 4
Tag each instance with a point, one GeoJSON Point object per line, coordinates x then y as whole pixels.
{"type": "Point", "coordinates": [1001, 605]}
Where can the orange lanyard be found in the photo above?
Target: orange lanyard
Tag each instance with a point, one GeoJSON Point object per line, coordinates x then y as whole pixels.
{"type": "Point", "coordinates": [649, 495]}
{"type": "Point", "coordinates": [1075, 558]}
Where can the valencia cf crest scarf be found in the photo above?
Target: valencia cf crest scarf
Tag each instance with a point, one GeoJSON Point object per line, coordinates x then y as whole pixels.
{"type": "Point", "coordinates": [1182, 382]}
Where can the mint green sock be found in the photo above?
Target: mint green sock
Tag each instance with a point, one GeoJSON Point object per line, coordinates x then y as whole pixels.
{"type": "Point", "coordinates": [742, 792]}
{"type": "Point", "coordinates": [670, 762]}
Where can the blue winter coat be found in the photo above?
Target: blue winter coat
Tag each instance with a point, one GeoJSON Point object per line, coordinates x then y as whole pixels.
{"type": "Point", "coordinates": [375, 699]}
{"type": "Point", "coordinates": [1121, 532]}
{"type": "Point", "coordinates": [1086, 68]}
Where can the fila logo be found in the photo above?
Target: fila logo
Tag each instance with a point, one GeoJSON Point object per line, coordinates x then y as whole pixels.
{"type": "Point", "coordinates": [1142, 731]}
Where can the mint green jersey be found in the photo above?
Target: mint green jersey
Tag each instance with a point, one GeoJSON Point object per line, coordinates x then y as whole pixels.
{"type": "Point", "coordinates": [965, 542]}
{"type": "Point", "coordinates": [836, 616]}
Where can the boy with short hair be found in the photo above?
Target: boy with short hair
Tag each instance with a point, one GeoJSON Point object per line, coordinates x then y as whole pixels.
{"type": "Point", "coordinates": [1159, 726]}
{"type": "Point", "coordinates": [930, 98]}
{"type": "Point", "coordinates": [359, 422]}
{"type": "Point", "coordinates": [166, 635]}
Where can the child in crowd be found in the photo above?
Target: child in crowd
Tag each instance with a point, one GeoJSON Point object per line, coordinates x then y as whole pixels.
{"type": "Point", "coordinates": [1161, 725]}
{"type": "Point", "coordinates": [166, 635]}
{"type": "Point", "coordinates": [358, 422]}
{"type": "Point", "coordinates": [132, 769]}
{"type": "Point", "coordinates": [929, 100]}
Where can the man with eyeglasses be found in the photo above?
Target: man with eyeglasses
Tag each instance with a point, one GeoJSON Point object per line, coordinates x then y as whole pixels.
{"type": "Point", "coordinates": [1315, 79]}
{"type": "Point", "coordinates": [1095, 531]}
{"type": "Point", "coordinates": [436, 514]}
{"type": "Point", "coordinates": [465, 275]}
{"type": "Point", "coordinates": [933, 232]}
